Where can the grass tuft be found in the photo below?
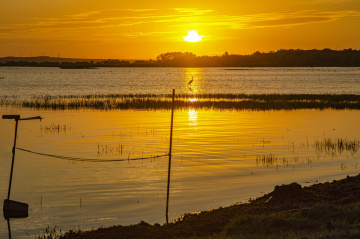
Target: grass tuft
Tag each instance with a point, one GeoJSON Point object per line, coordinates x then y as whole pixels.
{"type": "Point", "coordinates": [321, 221]}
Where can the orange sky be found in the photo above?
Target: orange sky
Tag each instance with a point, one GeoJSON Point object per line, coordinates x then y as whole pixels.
{"type": "Point", "coordinates": [143, 29]}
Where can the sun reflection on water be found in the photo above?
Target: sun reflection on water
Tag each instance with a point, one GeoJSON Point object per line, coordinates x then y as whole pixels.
{"type": "Point", "coordinates": [193, 80]}
{"type": "Point", "coordinates": [193, 117]}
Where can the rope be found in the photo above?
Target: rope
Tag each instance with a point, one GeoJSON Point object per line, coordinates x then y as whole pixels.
{"type": "Point", "coordinates": [90, 159]}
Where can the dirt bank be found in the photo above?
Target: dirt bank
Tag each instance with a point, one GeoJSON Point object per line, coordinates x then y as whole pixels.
{"type": "Point", "coordinates": [284, 198]}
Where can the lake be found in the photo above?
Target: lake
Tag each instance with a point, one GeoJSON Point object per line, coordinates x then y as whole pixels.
{"type": "Point", "coordinates": [29, 82]}
{"type": "Point", "coordinates": [220, 157]}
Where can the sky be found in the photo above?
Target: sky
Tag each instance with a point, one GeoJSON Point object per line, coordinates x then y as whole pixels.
{"type": "Point", "coordinates": [143, 29]}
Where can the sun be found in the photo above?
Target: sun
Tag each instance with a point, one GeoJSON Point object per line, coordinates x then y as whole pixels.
{"type": "Point", "coordinates": [193, 36]}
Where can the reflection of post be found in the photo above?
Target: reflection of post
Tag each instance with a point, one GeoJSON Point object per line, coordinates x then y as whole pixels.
{"type": "Point", "coordinates": [169, 168]}
{"type": "Point", "coordinates": [8, 222]}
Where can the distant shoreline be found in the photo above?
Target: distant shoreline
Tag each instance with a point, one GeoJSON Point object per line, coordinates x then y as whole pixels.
{"type": "Point", "coordinates": [280, 58]}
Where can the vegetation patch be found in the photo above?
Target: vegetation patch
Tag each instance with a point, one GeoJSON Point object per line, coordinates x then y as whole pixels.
{"type": "Point", "coordinates": [320, 221]}
{"type": "Point", "coordinates": [333, 146]}
{"type": "Point", "coordinates": [185, 101]}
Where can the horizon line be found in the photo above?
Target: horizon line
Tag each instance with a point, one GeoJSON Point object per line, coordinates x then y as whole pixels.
{"type": "Point", "coordinates": [134, 59]}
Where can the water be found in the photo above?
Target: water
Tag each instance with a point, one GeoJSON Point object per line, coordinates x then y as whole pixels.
{"type": "Point", "coordinates": [217, 154]}
{"type": "Point", "coordinates": [27, 82]}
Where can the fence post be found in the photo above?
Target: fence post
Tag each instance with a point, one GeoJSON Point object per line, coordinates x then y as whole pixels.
{"type": "Point", "coordinates": [169, 168]}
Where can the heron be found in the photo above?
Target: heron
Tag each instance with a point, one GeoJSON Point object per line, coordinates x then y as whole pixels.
{"type": "Point", "coordinates": [191, 81]}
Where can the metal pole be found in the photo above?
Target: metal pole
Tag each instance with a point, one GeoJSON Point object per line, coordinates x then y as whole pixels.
{"type": "Point", "coordinates": [13, 157]}
{"type": "Point", "coordinates": [169, 168]}
{"type": "Point", "coordinates": [16, 118]}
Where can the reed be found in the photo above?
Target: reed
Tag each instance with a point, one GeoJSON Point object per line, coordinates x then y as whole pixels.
{"type": "Point", "coordinates": [203, 101]}
{"type": "Point", "coordinates": [50, 233]}
{"type": "Point", "coordinates": [267, 160]}
{"type": "Point", "coordinates": [54, 128]}
{"type": "Point", "coordinates": [338, 145]}
{"type": "Point", "coordinates": [108, 149]}
{"type": "Point", "coordinates": [272, 160]}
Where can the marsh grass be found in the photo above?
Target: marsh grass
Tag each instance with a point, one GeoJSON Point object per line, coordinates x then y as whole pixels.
{"type": "Point", "coordinates": [320, 221]}
{"type": "Point", "coordinates": [333, 146]}
{"type": "Point", "coordinates": [266, 160]}
{"type": "Point", "coordinates": [203, 101]}
{"type": "Point", "coordinates": [50, 233]}
{"type": "Point", "coordinates": [272, 160]}
{"type": "Point", "coordinates": [54, 128]}
{"type": "Point", "coordinates": [105, 149]}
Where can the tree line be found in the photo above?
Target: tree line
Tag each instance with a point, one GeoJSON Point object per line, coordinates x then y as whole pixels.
{"type": "Point", "coordinates": [280, 58]}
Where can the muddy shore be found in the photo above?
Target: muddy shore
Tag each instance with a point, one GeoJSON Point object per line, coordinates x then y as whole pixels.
{"type": "Point", "coordinates": [284, 198]}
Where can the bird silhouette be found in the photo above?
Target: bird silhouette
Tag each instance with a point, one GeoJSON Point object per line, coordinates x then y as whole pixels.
{"type": "Point", "coordinates": [191, 81]}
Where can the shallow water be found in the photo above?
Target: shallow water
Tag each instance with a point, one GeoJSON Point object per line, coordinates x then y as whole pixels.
{"type": "Point", "coordinates": [220, 157]}
{"type": "Point", "coordinates": [216, 161]}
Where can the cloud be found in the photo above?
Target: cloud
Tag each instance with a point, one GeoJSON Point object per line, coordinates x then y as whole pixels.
{"type": "Point", "coordinates": [277, 19]}
{"type": "Point", "coordinates": [194, 11]}
{"type": "Point", "coordinates": [289, 19]}
{"type": "Point", "coordinates": [155, 22]}
{"type": "Point", "coordinates": [326, 1]}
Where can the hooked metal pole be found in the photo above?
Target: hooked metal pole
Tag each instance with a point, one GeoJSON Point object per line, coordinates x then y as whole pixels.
{"type": "Point", "coordinates": [169, 168]}
{"type": "Point", "coordinates": [16, 118]}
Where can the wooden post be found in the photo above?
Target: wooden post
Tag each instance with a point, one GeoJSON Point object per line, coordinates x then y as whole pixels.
{"type": "Point", "coordinates": [169, 168]}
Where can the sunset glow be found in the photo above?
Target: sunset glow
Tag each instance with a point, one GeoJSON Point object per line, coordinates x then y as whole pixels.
{"type": "Point", "coordinates": [159, 118]}
{"type": "Point", "coordinates": [144, 30]}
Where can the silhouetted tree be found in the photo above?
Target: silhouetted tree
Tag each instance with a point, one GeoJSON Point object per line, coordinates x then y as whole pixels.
{"type": "Point", "coordinates": [280, 58]}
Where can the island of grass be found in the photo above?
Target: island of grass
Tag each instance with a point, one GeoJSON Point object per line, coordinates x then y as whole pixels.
{"type": "Point", "coordinates": [325, 210]}
{"type": "Point", "coordinates": [195, 101]}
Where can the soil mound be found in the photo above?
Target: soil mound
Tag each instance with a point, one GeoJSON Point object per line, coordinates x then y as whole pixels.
{"type": "Point", "coordinates": [290, 193]}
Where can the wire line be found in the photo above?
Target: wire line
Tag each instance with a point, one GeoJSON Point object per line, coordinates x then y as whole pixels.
{"type": "Point", "coordinates": [90, 159]}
